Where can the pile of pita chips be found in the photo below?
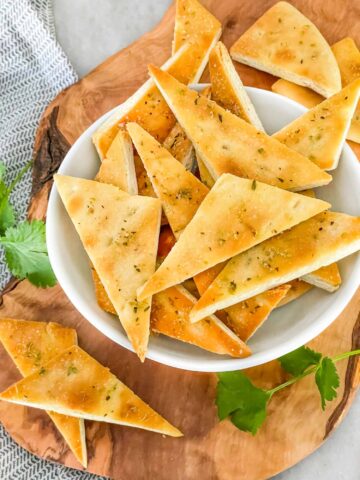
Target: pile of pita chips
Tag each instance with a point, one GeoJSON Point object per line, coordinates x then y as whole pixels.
{"type": "Point", "coordinates": [235, 207]}
{"type": "Point", "coordinates": [286, 44]}
{"type": "Point", "coordinates": [74, 384]}
{"type": "Point", "coordinates": [31, 345]}
{"type": "Point", "coordinates": [348, 59]}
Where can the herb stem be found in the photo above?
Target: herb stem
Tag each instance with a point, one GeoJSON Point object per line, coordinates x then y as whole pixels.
{"type": "Point", "coordinates": [345, 355]}
{"type": "Point", "coordinates": [19, 177]}
{"type": "Point", "coordinates": [292, 381]}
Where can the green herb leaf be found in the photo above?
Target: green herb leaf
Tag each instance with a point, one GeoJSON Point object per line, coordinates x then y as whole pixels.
{"type": "Point", "coordinates": [327, 380]}
{"type": "Point", "coordinates": [299, 360]}
{"type": "Point", "coordinates": [239, 398]}
{"type": "Point", "coordinates": [26, 253]}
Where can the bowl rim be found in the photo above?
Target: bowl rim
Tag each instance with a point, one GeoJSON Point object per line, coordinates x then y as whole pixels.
{"type": "Point", "coordinates": [222, 363]}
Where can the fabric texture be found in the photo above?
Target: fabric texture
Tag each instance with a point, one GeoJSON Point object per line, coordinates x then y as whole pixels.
{"type": "Point", "coordinates": [33, 70]}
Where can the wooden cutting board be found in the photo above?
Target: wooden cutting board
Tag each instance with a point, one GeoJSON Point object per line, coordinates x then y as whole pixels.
{"type": "Point", "coordinates": [296, 426]}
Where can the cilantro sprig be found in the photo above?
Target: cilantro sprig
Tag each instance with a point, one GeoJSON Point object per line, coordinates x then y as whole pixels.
{"type": "Point", "coordinates": [238, 399]}
{"type": "Point", "coordinates": [24, 244]}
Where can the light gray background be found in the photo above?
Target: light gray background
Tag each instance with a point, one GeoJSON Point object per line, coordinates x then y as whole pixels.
{"type": "Point", "coordinates": [91, 30]}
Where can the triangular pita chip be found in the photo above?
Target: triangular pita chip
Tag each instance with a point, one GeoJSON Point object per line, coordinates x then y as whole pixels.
{"type": "Point", "coordinates": [328, 278]}
{"type": "Point", "coordinates": [286, 44]}
{"type": "Point", "coordinates": [235, 215]}
{"type": "Point", "coordinates": [179, 190]}
{"type": "Point", "coordinates": [297, 289]}
{"type": "Point", "coordinates": [227, 144]}
{"type": "Point", "coordinates": [320, 133]}
{"type": "Point", "coordinates": [170, 317]}
{"type": "Point", "coordinates": [31, 345]}
{"type": "Point", "coordinates": [124, 254]}
{"type": "Point", "coordinates": [227, 88]}
{"type": "Point", "coordinates": [246, 317]}
{"type": "Point", "coordinates": [187, 65]}
{"type": "Point", "coordinates": [348, 59]}
{"type": "Point", "coordinates": [118, 167]}
{"type": "Point", "coordinates": [196, 26]}
{"type": "Point", "coordinates": [73, 383]}
{"type": "Point", "coordinates": [313, 244]}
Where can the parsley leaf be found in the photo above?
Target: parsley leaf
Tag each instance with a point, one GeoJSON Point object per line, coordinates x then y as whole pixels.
{"type": "Point", "coordinates": [327, 380]}
{"type": "Point", "coordinates": [239, 398]}
{"type": "Point", "coordinates": [26, 253]}
{"type": "Point", "coordinates": [299, 360]}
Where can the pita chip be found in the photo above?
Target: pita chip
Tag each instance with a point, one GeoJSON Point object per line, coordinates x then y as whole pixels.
{"type": "Point", "coordinates": [118, 167]}
{"type": "Point", "coordinates": [286, 44]}
{"type": "Point", "coordinates": [196, 26]}
{"type": "Point", "coordinates": [179, 190]}
{"type": "Point", "coordinates": [235, 215]}
{"type": "Point", "coordinates": [246, 317]}
{"type": "Point", "coordinates": [227, 88]}
{"type": "Point", "coordinates": [320, 133]}
{"type": "Point", "coordinates": [348, 57]}
{"type": "Point", "coordinates": [124, 254]}
{"type": "Point", "coordinates": [315, 243]}
{"type": "Point", "coordinates": [227, 144]}
{"type": "Point", "coordinates": [31, 345]}
{"type": "Point", "coordinates": [170, 317]}
{"type": "Point", "coordinates": [298, 288]}
{"type": "Point", "coordinates": [73, 383]}
{"type": "Point", "coordinates": [328, 278]}
{"type": "Point", "coordinates": [299, 94]}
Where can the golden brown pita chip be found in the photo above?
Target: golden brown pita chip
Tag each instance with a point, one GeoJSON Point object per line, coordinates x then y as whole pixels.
{"type": "Point", "coordinates": [312, 244]}
{"type": "Point", "coordinates": [320, 133]}
{"type": "Point", "coordinates": [170, 317]}
{"type": "Point", "coordinates": [348, 58]}
{"type": "Point", "coordinates": [286, 44]}
{"type": "Point", "coordinates": [178, 189]}
{"type": "Point", "coordinates": [235, 215]}
{"type": "Point", "coordinates": [297, 289]}
{"type": "Point", "coordinates": [227, 144]}
{"type": "Point", "coordinates": [75, 384]}
{"type": "Point", "coordinates": [124, 254]}
{"type": "Point", "coordinates": [227, 88]}
{"type": "Point", "coordinates": [328, 278]}
{"type": "Point", "coordinates": [246, 317]}
{"type": "Point", "coordinates": [196, 26]}
{"type": "Point", "coordinates": [299, 94]}
{"type": "Point", "coordinates": [118, 167]}
{"type": "Point", "coordinates": [31, 345]}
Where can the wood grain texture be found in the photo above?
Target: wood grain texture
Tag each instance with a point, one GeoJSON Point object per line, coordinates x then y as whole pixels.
{"type": "Point", "coordinates": [296, 425]}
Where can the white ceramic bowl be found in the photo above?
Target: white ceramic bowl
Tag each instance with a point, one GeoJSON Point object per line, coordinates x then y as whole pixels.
{"type": "Point", "coordinates": [287, 328]}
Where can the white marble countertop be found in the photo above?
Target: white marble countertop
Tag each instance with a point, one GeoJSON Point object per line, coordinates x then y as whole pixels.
{"type": "Point", "coordinates": [91, 30]}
